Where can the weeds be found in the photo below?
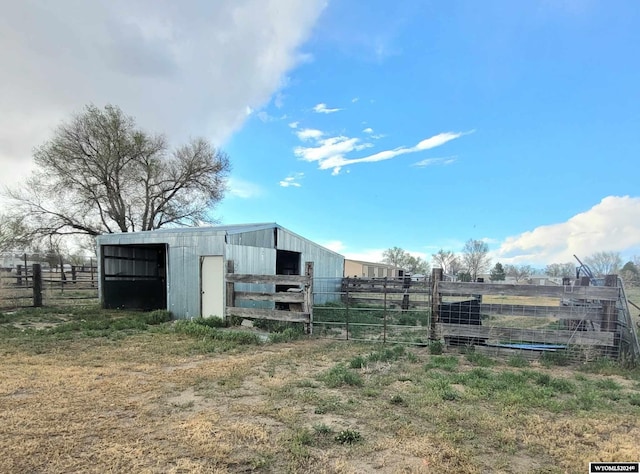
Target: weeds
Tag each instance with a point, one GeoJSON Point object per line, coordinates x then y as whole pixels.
{"type": "Point", "coordinates": [339, 375]}
{"type": "Point", "coordinates": [348, 437]}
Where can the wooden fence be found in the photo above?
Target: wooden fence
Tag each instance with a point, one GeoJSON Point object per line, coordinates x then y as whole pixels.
{"type": "Point", "coordinates": [504, 318]}
{"type": "Point", "coordinates": [396, 292]}
{"type": "Point", "coordinates": [292, 304]}
{"type": "Point", "coordinates": [26, 286]}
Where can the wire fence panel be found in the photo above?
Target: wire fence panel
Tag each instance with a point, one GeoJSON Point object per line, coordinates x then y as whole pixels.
{"type": "Point", "coordinates": [374, 310]}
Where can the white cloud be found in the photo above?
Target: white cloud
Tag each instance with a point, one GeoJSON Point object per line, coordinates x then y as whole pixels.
{"type": "Point", "coordinates": [294, 124]}
{"type": "Point", "coordinates": [355, 99]}
{"type": "Point", "coordinates": [292, 180]}
{"type": "Point", "coordinates": [242, 189]}
{"type": "Point", "coordinates": [322, 109]}
{"type": "Point", "coordinates": [611, 225]}
{"type": "Point", "coordinates": [365, 255]}
{"type": "Point", "coordinates": [335, 245]}
{"type": "Point", "coordinates": [309, 134]}
{"type": "Point", "coordinates": [330, 152]}
{"type": "Point", "coordinates": [368, 130]}
{"type": "Point", "coordinates": [185, 70]}
{"type": "Point", "coordinates": [447, 160]}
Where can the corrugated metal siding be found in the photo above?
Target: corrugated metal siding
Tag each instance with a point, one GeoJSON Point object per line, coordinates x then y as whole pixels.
{"type": "Point", "coordinates": [328, 266]}
{"type": "Point", "coordinates": [252, 251]}
{"type": "Point", "coordinates": [185, 247]}
{"type": "Point", "coordinates": [255, 261]}
{"type": "Point", "coordinates": [258, 238]}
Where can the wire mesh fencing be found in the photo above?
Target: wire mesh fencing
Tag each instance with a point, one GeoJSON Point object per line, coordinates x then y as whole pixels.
{"type": "Point", "coordinates": [561, 323]}
{"type": "Point", "coordinates": [394, 310]}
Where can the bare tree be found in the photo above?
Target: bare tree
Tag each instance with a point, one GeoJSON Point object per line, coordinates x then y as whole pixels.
{"type": "Point", "coordinates": [518, 272]}
{"type": "Point", "coordinates": [12, 233]}
{"type": "Point", "coordinates": [604, 263]}
{"type": "Point", "coordinates": [446, 260]}
{"type": "Point", "coordinates": [402, 259]}
{"type": "Point", "coordinates": [395, 256]}
{"type": "Point", "coordinates": [416, 265]}
{"type": "Point", "coordinates": [101, 174]}
{"type": "Point", "coordinates": [561, 269]}
{"type": "Point", "coordinates": [475, 257]}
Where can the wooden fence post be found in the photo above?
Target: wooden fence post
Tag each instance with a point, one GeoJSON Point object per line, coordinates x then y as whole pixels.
{"type": "Point", "coordinates": [230, 289]}
{"type": "Point", "coordinates": [19, 274]}
{"type": "Point", "coordinates": [308, 294]}
{"type": "Point", "coordinates": [37, 285]}
{"type": "Point", "coordinates": [609, 315]}
{"type": "Point", "coordinates": [436, 276]}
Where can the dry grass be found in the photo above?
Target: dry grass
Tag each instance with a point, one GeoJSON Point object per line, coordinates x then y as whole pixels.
{"type": "Point", "coordinates": [151, 402]}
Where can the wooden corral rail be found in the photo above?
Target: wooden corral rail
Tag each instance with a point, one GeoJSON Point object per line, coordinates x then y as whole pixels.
{"type": "Point", "coordinates": [404, 292]}
{"type": "Point", "coordinates": [24, 286]}
{"type": "Point", "coordinates": [585, 315]}
{"type": "Point", "coordinates": [580, 292]}
{"type": "Point", "coordinates": [297, 302]}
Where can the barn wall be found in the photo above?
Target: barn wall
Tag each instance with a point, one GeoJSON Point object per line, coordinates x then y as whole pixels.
{"type": "Point", "coordinates": [328, 266]}
{"type": "Point", "coordinates": [253, 251]}
{"type": "Point", "coordinates": [256, 261]}
{"type": "Point", "coordinates": [183, 261]}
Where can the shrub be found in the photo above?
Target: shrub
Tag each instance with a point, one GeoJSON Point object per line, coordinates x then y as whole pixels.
{"type": "Point", "coordinates": [348, 437]}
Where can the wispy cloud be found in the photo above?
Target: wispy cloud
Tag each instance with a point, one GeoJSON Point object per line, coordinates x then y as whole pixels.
{"type": "Point", "coordinates": [368, 130]}
{"type": "Point", "coordinates": [292, 180]}
{"type": "Point", "coordinates": [330, 153]}
{"type": "Point", "coordinates": [323, 109]}
{"type": "Point", "coordinates": [243, 189]}
{"type": "Point", "coordinates": [335, 245]}
{"type": "Point", "coordinates": [612, 225]}
{"type": "Point", "coordinates": [294, 124]}
{"type": "Point", "coordinates": [447, 160]}
{"type": "Point", "coordinates": [309, 134]}
{"type": "Point", "coordinates": [355, 99]}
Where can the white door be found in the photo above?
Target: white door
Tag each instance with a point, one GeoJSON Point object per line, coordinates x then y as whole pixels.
{"type": "Point", "coordinates": [212, 286]}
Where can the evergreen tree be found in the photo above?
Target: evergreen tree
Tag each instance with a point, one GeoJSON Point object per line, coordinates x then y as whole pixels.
{"type": "Point", "coordinates": [497, 273]}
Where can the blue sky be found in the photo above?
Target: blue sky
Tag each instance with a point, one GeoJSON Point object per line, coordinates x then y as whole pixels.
{"type": "Point", "coordinates": [539, 102]}
{"type": "Point", "coordinates": [365, 125]}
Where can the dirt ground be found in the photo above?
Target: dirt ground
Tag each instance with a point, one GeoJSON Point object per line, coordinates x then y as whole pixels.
{"type": "Point", "coordinates": [147, 403]}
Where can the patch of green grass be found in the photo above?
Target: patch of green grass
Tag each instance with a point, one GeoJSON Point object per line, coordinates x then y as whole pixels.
{"type": "Point", "coordinates": [436, 347]}
{"type": "Point", "coordinates": [518, 361]}
{"type": "Point", "coordinates": [447, 363]}
{"type": "Point", "coordinates": [634, 399]}
{"type": "Point", "coordinates": [193, 328]}
{"type": "Point", "coordinates": [39, 329]}
{"type": "Point", "coordinates": [479, 360]}
{"type": "Point", "coordinates": [287, 335]}
{"type": "Point", "coordinates": [386, 354]}
{"type": "Point", "coordinates": [607, 384]}
{"type": "Point", "coordinates": [322, 429]}
{"type": "Point", "coordinates": [339, 376]}
{"type": "Point", "coordinates": [555, 358]}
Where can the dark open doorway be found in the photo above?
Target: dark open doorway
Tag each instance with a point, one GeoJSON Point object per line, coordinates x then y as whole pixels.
{"type": "Point", "coordinates": [287, 263]}
{"type": "Point", "coordinates": [134, 276]}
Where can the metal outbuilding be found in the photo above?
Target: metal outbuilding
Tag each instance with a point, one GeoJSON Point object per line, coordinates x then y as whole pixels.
{"type": "Point", "coordinates": [183, 269]}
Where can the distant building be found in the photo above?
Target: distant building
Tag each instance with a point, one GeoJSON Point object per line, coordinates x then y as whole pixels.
{"type": "Point", "coordinates": [360, 269]}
